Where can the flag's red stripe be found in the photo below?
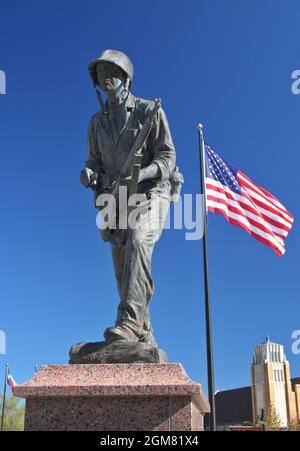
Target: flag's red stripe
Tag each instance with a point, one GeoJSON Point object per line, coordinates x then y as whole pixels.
{"type": "Point", "coordinates": [266, 203]}
{"type": "Point", "coordinates": [248, 208]}
{"type": "Point", "coordinates": [278, 210]}
{"type": "Point", "coordinates": [266, 194]}
{"type": "Point", "coordinates": [243, 226]}
{"type": "Point", "coordinates": [261, 204]}
{"type": "Point", "coordinates": [240, 212]}
{"type": "Point", "coordinates": [253, 209]}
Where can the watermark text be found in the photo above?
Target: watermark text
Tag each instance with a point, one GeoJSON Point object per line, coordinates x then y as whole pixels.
{"type": "Point", "coordinates": [139, 212]}
{"type": "Point", "coordinates": [2, 82]}
{"type": "Point", "coordinates": [296, 84]}
{"type": "Point", "coordinates": [2, 342]}
{"type": "Point", "coordinates": [296, 343]}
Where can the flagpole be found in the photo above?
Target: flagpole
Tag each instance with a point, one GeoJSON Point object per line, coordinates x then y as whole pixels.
{"type": "Point", "coordinates": [209, 347]}
{"type": "Point", "coordinates": [4, 396]}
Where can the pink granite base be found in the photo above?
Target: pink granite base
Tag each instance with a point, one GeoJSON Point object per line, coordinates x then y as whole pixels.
{"type": "Point", "coordinates": [113, 397]}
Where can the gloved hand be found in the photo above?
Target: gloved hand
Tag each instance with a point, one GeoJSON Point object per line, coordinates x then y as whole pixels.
{"type": "Point", "coordinates": [88, 178]}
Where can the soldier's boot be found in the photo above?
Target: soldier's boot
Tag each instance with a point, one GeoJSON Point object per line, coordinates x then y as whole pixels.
{"type": "Point", "coordinates": [120, 332]}
{"type": "Point", "coordinates": [149, 339]}
{"type": "Point", "coordinates": [123, 332]}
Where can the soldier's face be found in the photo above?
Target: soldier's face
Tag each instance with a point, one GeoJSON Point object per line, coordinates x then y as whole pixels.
{"type": "Point", "coordinates": [109, 76]}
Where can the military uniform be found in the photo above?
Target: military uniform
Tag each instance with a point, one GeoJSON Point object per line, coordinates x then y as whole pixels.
{"type": "Point", "coordinates": [111, 136]}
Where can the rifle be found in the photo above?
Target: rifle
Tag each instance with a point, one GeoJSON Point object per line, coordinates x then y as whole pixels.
{"type": "Point", "coordinates": [133, 163]}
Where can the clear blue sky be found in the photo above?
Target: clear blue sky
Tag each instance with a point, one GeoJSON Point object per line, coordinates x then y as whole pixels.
{"type": "Point", "coordinates": [225, 63]}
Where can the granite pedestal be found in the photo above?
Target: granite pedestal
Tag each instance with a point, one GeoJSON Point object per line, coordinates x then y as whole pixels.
{"type": "Point", "coordinates": [113, 397]}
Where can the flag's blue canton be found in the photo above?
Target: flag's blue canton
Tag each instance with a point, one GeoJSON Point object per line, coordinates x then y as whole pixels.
{"type": "Point", "coordinates": [220, 170]}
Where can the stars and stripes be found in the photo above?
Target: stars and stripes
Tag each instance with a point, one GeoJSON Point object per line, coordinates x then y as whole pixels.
{"type": "Point", "coordinates": [10, 381]}
{"type": "Point", "coordinates": [245, 204]}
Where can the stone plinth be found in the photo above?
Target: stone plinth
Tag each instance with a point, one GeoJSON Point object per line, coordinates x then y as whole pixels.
{"type": "Point", "coordinates": [113, 397]}
{"type": "Point", "coordinates": [119, 351]}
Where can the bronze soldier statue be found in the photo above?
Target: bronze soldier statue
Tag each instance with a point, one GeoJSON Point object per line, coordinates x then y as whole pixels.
{"type": "Point", "coordinates": [111, 136]}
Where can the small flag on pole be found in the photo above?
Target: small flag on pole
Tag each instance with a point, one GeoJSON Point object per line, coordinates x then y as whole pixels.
{"type": "Point", "coordinates": [10, 381]}
{"type": "Point", "coordinates": [245, 204]}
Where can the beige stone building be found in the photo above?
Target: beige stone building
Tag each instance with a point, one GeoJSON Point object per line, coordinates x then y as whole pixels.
{"type": "Point", "coordinates": [271, 384]}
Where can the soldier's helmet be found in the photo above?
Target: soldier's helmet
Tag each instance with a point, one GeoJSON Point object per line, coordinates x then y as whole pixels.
{"type": "Point", "coordinates": [112, 56]}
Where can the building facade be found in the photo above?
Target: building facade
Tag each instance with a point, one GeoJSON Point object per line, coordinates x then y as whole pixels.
{"type": "Point", "coordinates": [272, 389]}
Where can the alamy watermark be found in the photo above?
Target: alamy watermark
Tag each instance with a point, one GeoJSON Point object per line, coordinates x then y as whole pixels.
{"type": "Point", "coordinates": [296, 344]}
{"type": "Point", "coordinates": [296, 84]}
{"type": "Point", "coordinates": [2, 342]}
{"type": "Point", "coordinates": [152, 213]}
{"type": "Point", "coordinates": [2, 82]}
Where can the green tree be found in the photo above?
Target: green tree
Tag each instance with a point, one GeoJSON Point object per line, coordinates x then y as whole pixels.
{"type": "Point", "coordinates": [14, 414]}
{"type": "Point", "coordinates": [272, 420]}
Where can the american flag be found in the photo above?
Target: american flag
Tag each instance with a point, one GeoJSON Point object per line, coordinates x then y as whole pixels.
{"type": "Point", "coordinates": [245, 204]}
